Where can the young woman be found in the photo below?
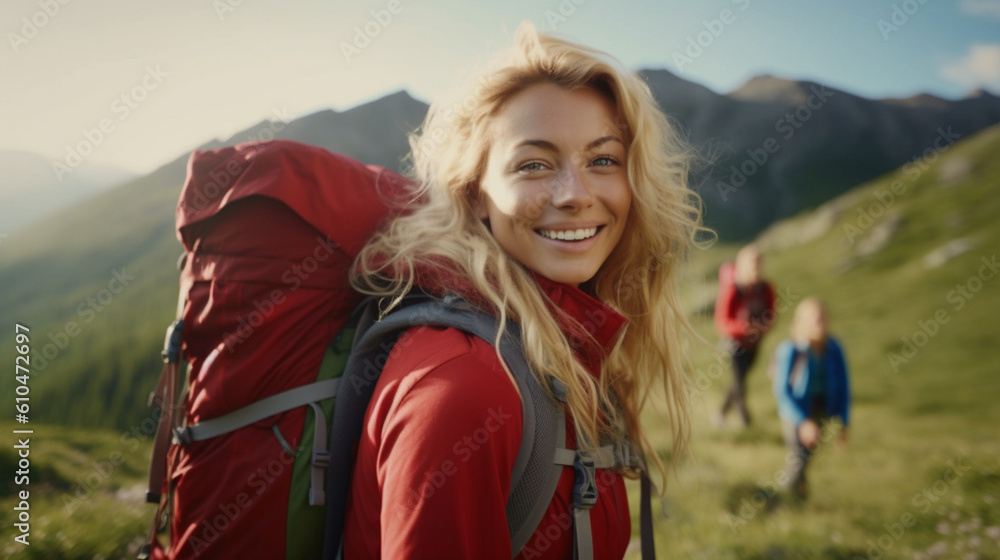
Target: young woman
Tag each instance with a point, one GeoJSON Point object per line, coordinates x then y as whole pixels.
{"type": "Point", "coordinates": [552, 194]}
{"type": "Point", "coordinates": [811, 386]}
{"type": "Point", "coordinates": [744, 313]}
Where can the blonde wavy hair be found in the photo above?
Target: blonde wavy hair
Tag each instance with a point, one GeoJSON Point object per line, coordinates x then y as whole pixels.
{"type": "Point", "coordinates": [638, 279]}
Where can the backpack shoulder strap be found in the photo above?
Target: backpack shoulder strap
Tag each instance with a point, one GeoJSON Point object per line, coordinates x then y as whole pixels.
{"type": "Point", "coordinates": [530, 495]}
{"type": "Point", "coordinates": [617, 454]}
{"type": "Point", "coordinates": [541, 455]}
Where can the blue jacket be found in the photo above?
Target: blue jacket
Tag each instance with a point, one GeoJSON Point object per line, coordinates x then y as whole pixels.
{"type": "Point", "coordinates": [794, 402]}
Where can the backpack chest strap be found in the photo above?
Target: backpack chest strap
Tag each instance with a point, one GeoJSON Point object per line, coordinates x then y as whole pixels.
{"type": "Point", "coordinates": [617, 455]}
{"type": "Point", "coordinates": [585, 492]}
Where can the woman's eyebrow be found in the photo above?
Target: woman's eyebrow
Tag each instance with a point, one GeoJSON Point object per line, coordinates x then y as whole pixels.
{"type": "Point", "coordinates": [604, 140]}
{"type": "Point", "coordinates": [543, 144]}
{"type": "Point", "coordinates": [549, 146]}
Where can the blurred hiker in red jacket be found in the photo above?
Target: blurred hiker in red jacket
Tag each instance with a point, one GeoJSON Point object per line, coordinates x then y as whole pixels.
{"type": "Point", "coordinates": [553, 194]}
{"type": "Point", "coordinates": [744, 312]}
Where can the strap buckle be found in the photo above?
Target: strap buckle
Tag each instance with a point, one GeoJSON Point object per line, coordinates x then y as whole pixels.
{"type": "Point", "coordinates": [320, 458]}
{"type": "Point", "coordinates": [623, 453]}
{"type": "Point", "coordinates": [585, 487]}
{"type": "Point", "coordinates": [558, 388]}
{"type": "Point", "coordinates": [183, 436]}
{"type": "Point", "coordinates": [172, 342]}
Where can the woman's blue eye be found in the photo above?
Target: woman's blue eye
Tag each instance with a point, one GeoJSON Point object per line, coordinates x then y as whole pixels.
{"type": "Point", "coordinates": [604, 161]}
{"type": "Point", "coordinates": [531, 166]}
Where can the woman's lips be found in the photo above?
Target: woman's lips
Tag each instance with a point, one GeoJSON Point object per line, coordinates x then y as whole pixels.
{"type": "Point", "coordinates": [572, 239]}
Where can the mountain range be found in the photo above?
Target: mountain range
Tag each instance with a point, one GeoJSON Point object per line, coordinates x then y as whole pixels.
{"type": "Point", "coordinates": [764, 151]}
{"type": "Point", "coordinates": [774, 147]}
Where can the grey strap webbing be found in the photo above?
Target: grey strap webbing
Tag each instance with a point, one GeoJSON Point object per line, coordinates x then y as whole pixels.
{"type": "Point", "coordinates": [257, 411]}
{"type": "Point", "coordinates": [617, 455]}
{"type": "Point", "coordinates": [607, 457]}
{"type": "Point", "coordinates": [320, 459]}
{"type": "Point", "coordinates": [270, 406]}
{"type": "Point", "coordinates": [611, 456]}
{"type": "Point", "coordinates": [583, 538]}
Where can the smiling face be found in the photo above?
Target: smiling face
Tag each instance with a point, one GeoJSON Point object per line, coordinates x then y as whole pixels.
{"type": "Point", "coordinates": [555, 190]}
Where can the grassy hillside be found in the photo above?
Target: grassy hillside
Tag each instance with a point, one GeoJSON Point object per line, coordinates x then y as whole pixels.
{"type": "Point", "coordinates": [97, 333]}
{"type": "Point", "coordinates": [915, 411]}
{"type": "Point", "coordinates": [85, 496]}
{"type": "Point", "coordinates": [912, 420]}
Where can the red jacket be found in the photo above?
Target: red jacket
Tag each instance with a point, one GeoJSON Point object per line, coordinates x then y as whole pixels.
{"type": "Point", "coordinates": [743, 313]}
{"type": "Point", "coordinates": [441, 434]}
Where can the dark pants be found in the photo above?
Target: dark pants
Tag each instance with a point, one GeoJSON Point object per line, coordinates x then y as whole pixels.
{"type": "Point", "coordinates": [797, 458]}
{"type": "Point", "coordinates": [798, 455]}
{"type": "Point", "coordinates": [742, 362]}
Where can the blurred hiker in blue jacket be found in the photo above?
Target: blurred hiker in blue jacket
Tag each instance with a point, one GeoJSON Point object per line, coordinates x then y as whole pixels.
{"type": "Point", "coordinates": [810, 384]}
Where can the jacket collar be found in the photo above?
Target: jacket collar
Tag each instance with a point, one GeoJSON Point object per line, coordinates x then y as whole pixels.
{"type": "Point", "coordinates": [592, 327]}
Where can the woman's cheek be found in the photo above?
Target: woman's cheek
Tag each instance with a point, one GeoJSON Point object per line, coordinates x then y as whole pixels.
{"type": "Point", "coordinates": [531, 206]}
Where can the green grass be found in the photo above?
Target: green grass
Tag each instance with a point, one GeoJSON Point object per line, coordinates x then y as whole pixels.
{"type": "Point", "coordinates": [907, 422]}
{"type": "Point", "coordinates": [85, 493]}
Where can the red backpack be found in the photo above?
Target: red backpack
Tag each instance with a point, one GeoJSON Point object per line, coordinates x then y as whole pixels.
{"type": "Point", "coordinates": [269, 230]}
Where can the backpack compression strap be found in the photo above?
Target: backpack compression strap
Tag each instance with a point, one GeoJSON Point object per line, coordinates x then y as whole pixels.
{"type": "Point", "coordinates": [275, 404]}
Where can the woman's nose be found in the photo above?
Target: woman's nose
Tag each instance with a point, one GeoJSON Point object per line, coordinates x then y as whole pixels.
{"type": "Point", "coordinates": [570, 190]}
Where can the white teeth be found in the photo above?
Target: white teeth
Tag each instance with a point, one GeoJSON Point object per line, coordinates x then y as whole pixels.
{"type": "Point", "coordinates": [569, 235]}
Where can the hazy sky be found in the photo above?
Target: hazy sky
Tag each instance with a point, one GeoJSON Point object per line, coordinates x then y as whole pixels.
{"type": "Point", "coordinates": [164, 76]}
